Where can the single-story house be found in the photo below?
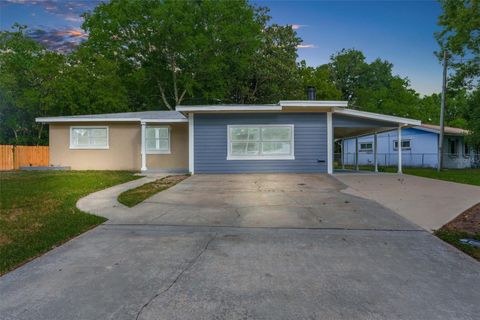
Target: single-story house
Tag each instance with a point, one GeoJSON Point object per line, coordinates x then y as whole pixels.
{"type": "Point", "coordinates": [419, 148]}
{"type": "Point", "coordinates": [290, 136]}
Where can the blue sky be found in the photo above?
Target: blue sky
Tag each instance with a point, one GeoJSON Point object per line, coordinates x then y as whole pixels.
{"type": "Point", "coordinates": [398, 31]}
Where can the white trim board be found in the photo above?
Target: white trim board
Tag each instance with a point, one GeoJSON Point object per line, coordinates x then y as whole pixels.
{"type": "Point", "coordinates": [378, 116]}
{"type": "Point", "coordinates": [73, 119]}
{"type": "Point", "coordinates": [313, 103]}
{"type": "Point", "coordinates": [210, 108]}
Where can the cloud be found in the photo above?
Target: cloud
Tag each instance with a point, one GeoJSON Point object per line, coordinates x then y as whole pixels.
{"type": "Point", "coordinates": [306, 46]}
{"type": "Point", "coordinates": [66, 9]}
{"type": "Point", "coordinates": [61, 40]}
{"type": "Point", "coordinates": [298, 26]}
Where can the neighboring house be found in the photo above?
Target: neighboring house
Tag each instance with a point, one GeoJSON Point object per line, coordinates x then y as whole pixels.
{"type": "Point", "coordinates": [419, 148]}
{"type": "Point", "coordinates": [291, 136]}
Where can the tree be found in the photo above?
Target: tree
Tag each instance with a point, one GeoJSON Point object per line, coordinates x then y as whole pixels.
{"type": "Point", "coordinates": [319, 78]}
{"type": "Point", "coordinates": [460, 36]}
{"type": "Point", "coordinates": [473, 118]}
{"type": "Point", "coordinates": [346, 70]}
{"type": "Point", "coordinates": [27, 72]}
{"type": "Point", "coordinates": [372, 86]}
{"type": "Point", "coordinates": [35, 82]}
{"type": "Point", "coordinates": [272, 73]}
{"type": "Point", "coordinates": [174, 52]}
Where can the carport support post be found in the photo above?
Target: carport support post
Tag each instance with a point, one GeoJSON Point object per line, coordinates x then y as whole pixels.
{"type": "Point", "coordinates": [356, 154]}
{"type": "Point", "coordinates": [191, 150]}
{"type": "Point", "coordinates": [142, 143]}
{"type": "Point", "coordinates": [399, 148]}
{"type": "Point", "coordinates": [375, 149]}
{"type": "Point", "coordinates": [329, 143]}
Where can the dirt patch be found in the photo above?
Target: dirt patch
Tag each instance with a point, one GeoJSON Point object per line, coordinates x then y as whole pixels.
{"type": "Point", "coordinates": [468, 221]}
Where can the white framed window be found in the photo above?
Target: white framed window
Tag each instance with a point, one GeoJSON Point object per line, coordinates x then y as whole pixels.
{"type": "Point", "coordinates": [406, 144]}
{"type": "Point", "coordinates": [89, 137]}
{"type": "Point", "coordinates": [366, 146]}
{"type": "Point", "coordinates": [157, 139]}
{"type": "Point", "coordinates": [260, 142]}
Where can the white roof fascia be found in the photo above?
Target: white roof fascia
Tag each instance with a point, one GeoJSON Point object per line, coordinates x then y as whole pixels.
{"type": "Point", "coordinates": [229, 108]}
{"type": "Point", "coordinates": [71, 119]}
{"type": "Point", "coordinates": [163, 120]}
{"type": "Point", "coordinates": [378, 116]}
{"type": "Point", "coordinates": [431, 130]}
{"type": "Point", "coordinates": [313, 103]}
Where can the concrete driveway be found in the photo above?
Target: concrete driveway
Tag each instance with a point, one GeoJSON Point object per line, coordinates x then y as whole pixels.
{"type": "Point", "coordinates": [428, 203]}
{"type": "Point", "coordinates": [247, 247]}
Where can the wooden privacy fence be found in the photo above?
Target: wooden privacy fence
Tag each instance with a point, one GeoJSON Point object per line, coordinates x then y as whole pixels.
{"type": "Point", "coordinates": [14, 157]}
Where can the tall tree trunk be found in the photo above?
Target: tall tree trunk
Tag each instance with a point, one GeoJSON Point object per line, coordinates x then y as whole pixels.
{"type": "Point", "coordinates": [39, 137]}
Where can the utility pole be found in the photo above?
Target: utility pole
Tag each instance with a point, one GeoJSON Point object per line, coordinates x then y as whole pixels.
{"type": "Point", "coordinates": [442, 111]}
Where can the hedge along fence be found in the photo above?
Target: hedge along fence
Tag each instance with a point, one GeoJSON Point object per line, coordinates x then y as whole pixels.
{"type": "Point", "coordinates": [13, 157]}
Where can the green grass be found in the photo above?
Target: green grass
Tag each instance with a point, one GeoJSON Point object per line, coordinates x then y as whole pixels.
{"type": "Point", "coordinates": [134, 196]}
{"type": "Point", "coordinates": [467, 176]}
{"type": "Point", "coordinates": [37, 210]}
{"type": "Point", "coordinates": [453, 237]}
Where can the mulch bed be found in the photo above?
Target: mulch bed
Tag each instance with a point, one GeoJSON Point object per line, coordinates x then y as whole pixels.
{"type": "Point", "coordinates": [468, 221]}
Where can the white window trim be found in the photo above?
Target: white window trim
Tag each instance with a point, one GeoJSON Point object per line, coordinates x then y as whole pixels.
{"type": "Point", "coordinates": [73, 146]}
{"type": "Point", "coordinates": [261, 157]}
{"type": "Point", "coordinates": [365, 150]}
{"type": "Point", "coordinates": [403, 148]}
{"type": "Point", "coordinates": [169, 151]}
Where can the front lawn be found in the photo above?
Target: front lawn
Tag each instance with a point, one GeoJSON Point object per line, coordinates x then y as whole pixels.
{"type": "Point", "coordinates": [37, 210]}
{"type": "Point", "coordinates": [467, 176]}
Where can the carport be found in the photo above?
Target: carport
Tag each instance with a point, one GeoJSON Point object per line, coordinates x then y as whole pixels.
{"type": "Point", "coordinates": [348, 124]}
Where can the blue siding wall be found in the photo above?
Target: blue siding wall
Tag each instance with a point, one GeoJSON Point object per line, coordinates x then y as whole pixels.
{"type": "Point", "coordinates": [310, 144]}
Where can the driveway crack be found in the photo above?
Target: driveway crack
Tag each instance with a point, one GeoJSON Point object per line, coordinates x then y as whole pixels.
{"type": "Point", "coordinates": [177, 278]}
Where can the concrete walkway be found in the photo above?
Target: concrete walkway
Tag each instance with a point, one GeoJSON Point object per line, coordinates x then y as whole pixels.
{"type": "Point", "coordinates": [104, 202]}
{"type": "Point", "coordinates": [429, 203]}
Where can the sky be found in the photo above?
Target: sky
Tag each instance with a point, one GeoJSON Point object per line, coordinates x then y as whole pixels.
{"type": "Point", "coordinates": [398, 31]}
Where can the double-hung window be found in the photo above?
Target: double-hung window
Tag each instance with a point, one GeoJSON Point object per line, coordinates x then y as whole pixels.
{"type": "Point", "coordinates": [260, 142]}
{"type": "Point", "coordinates": [406, 145]}
{"type": "Point", "coordinates": [89, 137]}
{"type": "Point", "coordinates": [157, 140]}
{"type": "Point", "coordinates": [366, 146]}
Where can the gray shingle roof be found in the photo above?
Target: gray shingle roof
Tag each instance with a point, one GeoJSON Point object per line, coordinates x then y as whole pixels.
{"type": "Point", "coordinates": [122, 116]}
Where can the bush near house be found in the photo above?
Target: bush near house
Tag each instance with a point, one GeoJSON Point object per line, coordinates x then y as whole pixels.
{"type": "Point", "coordinates": [38, 212]}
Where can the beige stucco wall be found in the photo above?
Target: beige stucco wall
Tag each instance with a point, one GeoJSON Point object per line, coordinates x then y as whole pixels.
{"type": "Point", "coordinates": [123, 152]}
{"type": "Point", "coordinates": [178, 158]}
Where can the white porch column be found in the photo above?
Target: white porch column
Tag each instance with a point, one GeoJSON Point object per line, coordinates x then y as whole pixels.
{"type": "Point", "coordinates": [143, 146]}
{"type": "Point", "coordinates": [343, 153]}
{"type": "Point", "coordinates": [375, 150]}
{"type": "Point", "coordinates": [356, 154]}
{"type": "Point", "coordinates": [190, 143]}
{"type": "Point", "coordinates": [329, 143]}
{"type": "Point", "coordinates": [399, 148]}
